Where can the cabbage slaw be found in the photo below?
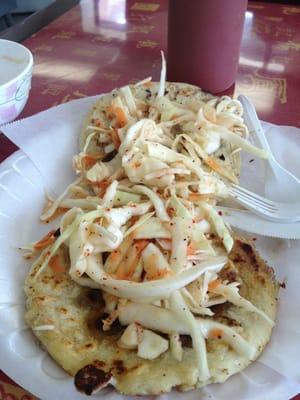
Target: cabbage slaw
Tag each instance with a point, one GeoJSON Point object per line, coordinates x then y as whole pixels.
{"type": "Point", "coordinates": [143, 226]}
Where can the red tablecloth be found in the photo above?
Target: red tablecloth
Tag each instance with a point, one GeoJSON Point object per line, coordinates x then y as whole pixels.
{"type": "Point", "coordinates": [99, 45]}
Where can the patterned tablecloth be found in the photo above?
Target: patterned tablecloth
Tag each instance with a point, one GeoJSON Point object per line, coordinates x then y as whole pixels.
{"type": "Point", "coordinates": [99, 45]}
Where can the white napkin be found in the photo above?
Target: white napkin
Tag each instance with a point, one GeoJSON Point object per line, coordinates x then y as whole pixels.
{"type": "Point", "coordinates": [49, 139]}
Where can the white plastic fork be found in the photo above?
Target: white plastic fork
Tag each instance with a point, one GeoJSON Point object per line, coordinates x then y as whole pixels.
{"type": "Point", "coordinates": [281, 184]}
{"type": "Point", "coordinates": [266, 208]}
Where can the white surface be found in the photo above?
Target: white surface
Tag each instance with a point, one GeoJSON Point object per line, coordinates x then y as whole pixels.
{"type": "Point", "coordinates": [246, 221]}
{"type": "Point", "coordinates": [275, 376]}
{"type": "Point", "coordinates": [16, 64]}
{"type": "Point", "coordinates": [50, 139]}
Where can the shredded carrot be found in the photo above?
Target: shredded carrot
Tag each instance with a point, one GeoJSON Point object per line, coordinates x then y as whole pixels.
{"type": "Point", "coordinates": [101, 185]}
{"type": "Point", "coordinates": [216, 334]}
{"type": "Point", "coordinates": [121, 117]}
{"type": "Point", "coordinates": [103, 188]}
{"type": "Point", "coordinates": [117, 112]}
{"type": "Point", "coordinates": [125, 271]}
{"type": "Point", "coordinates": [114, 255]}
{"type": "Point", "coordinates": [214, 284]}
{"type": "Point", "coordinates": [136, 164]}
{"type": "Point", "coordinates": [115, 138]}
{"type": "Point", "coordinates": [89, 160]}
{"type": "Point", "coordinates": [143, 107]}
{"type": "Point", "coordinates": [56, 264]}
{"type": "Point", "coordinates": [97, 122]}
{"type": "Point", "coordinates": [99, 155]}
{"type": "Point", "coordinates": [201, 197]}
{"type": "Point", "coordinates": [45, 241]}
{"type": "Point", "coordinates": [191, 249]}
{"type": "Point", "coordinates": [133, 220]}
{"type": "Point", "coordinates": [171, 211]}
{"type": "Point", "coordinates": [213, 164]}
{"type": "Point", "coordinates": [140, 244]}
{"type": "Point", "coordinates": [127, 268]}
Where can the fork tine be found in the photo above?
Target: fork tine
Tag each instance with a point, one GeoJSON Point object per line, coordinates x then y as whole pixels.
{"type": "Point", "coordinates": [253, 201]}
{"type": "Point", "coordinates": [256, 208]}
{"type": "Point", "coordinates": [250, 204]}
{"type": "Point", "coordinates": [241, 198]}
{"type": "Point", "coordinates": [254, 196]}
{"type": "Point", "coordinates": [271, 210]}
{"type": "Point", "coordinates": [250, 200]}
{"type": "Point", "coordinates": [248, 192]}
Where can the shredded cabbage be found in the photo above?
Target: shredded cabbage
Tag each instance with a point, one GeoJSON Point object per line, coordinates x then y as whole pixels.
{"type": "Point", "coordinates": [242, 143]}
{"type": "Point", "coordinates": [122, 198]}
{"type": "Point", "coordinates": [155, 264]}
{"type": "Point", "coordinates": [181, 232]}
{"type": "Point", "coordinates": [51, 210]}
{"type": "Point", "coordinates": [231, 294]}
{"type": "Point", "coordinates": [162, 83]}
{"type": "Point", "coordinates": [156, 201]}
{"type": "Point", "coordinates": [167, 321]}
{"type": "Point", "coordinates": [157, 288]}
{"type": "Point", "coordinates": [126, 91]}
{"type": "Point", "coordinates": [217, 222]}
{"type": "Point", "coordinates": [149, 227]}
{"type": "Point", "coordinates": [229, 335]}
{"type": "Point", "coordinates": [180, 309]}
{"type": "Point", "coordinates": [56, 245]}
{"type": "Point", "coordinates": [139, 226]}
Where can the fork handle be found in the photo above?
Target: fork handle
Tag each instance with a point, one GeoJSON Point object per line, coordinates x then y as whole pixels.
{"type": "Point", "coordinates": [254, 124]}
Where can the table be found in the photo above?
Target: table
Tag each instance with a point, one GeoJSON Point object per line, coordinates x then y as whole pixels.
{"type": "Point", "coordinates": [99, 45]}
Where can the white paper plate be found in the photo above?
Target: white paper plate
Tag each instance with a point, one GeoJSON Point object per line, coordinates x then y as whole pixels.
{"type": "Point", "coordinates": [21, 201]}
